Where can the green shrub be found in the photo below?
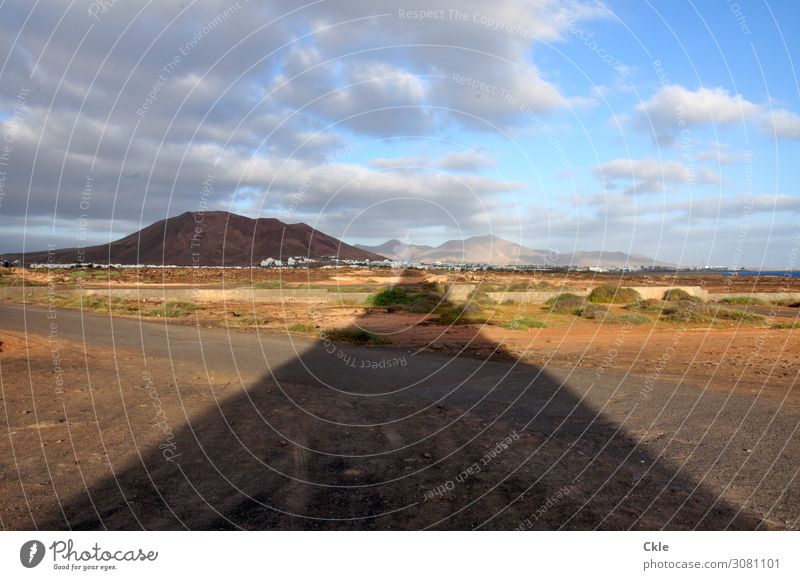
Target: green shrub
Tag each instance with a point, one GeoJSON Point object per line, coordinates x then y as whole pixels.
{"type": "Point", "coordinates": [267, 285]}
{"type": "Point", "coordinates": [94, 274]}
{"type": "Point", "coordinates": [593, 311]}
{"type": "Point", "coordinates": [432, 287]}
{"type": "Point", "coordinates": [522, 323]}
{"type": "Point", "coordinates": [633, 319]}
{"type": "Point", "coordinates": [737, 315]}
{"type": "Point", "coordinates": [6, 280]}
{"type": "Point", "coordinates": [786, 325]}
{"type": "Point", "coordinates": [686, 311]}
{"type": "Point", "coordinates": [651, 306]}
{"type": "Point", "coordinates": [390, 297]}
{"type": "Point", "coordinates": [173, 309]}
{"type": "Point", "coordinates": [356, 336]}
{"type": "Point", "coordinates": [425, 303]}
{"type": "Point", "coordinates": [102, 303]}
{"type": "Point", "coordinates": [447, 315]}
{"type": "Point", "coordinates": [609, 294]}
{"type": "Point", "coordinates": [565, 304]}
{"type": "Point", "coordinates": [301, 327]}
{"type": "Point", "coordinates": [352, 289]}
{"type": "Point", "coordinates": [745, 300]}
{"type": "Point", "coordinates": [678, 294]}
{"type": "Point", "coordinates": [469, 313]}
{"type": "Point", "coordinates": [96, 302]}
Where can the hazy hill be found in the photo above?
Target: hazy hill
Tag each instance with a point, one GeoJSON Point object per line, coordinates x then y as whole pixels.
{"type": "Point", "coordinates": [493, 250]}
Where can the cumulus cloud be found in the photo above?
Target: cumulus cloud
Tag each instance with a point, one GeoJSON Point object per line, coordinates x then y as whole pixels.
{"type": "Point", "coordinates": [737, 206]}
{"type": "Point", "coordinates": [281, 103]}
{"type": "Point", "coordinates": [466, 161]}
{"type": "Point", "coordinates": [339, 195]}
{"type": "Point", "coordinates": [674, 104]}
{"type": "Point", "coordinates": [721, 153]}
{"type": "Point", "coordinates": [675, 107]}
{"type": "Point", "coordinates": [651, 175]}
{"type": "Point", "coordinates": [144, 102]}
{"type": "Point", "coordinates": [782, 123]}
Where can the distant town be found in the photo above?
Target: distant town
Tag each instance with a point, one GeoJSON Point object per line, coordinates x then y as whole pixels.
{"type": "Point", "coordinates": [295, 262]}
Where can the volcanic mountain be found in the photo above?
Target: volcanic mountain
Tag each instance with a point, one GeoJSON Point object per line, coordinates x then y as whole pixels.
{"type": "Point", "coordinates": [212, 238]}
{"type": "Point", "coordinates": [493, 250]}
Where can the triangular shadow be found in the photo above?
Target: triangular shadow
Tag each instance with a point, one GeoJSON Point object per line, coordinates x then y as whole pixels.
{"type": "Point", "coordinates": [359, 437]}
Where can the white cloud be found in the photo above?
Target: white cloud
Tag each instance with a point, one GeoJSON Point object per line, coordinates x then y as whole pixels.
{"type": "Point", "coordinates": [142, 98]}
{"type": "Point", "coordinates": [651, 175]}
{"type": "Point", "coordinates": [722, 154]}
{"type": "Point", "coordinates": [467, 161]}
{"type": "Point", "coordinates": [731, 207]}
{"type": "Point", "coordinates": [674, 104]}
{"type": "Point", "coordinates": [783, 123]}
{"type": "Point", "coordinates": [674, 107]}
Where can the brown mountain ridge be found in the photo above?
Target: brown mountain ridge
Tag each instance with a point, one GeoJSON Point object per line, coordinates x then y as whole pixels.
{"type": "Point", "coordinates": [212, 238]}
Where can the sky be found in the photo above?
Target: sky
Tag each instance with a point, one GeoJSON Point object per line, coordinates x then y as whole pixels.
{"type": "Point", "coordinates": [668, 129]}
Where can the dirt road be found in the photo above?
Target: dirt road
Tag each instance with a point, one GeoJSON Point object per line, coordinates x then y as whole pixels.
{"type": "Point", "coordinates": [121, 424]}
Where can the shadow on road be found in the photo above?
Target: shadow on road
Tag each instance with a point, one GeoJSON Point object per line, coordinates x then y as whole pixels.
{"type": "Point", "coordinates": [359, 437]}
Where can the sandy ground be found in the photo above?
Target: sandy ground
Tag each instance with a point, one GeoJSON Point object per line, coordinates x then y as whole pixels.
{"type": "Point", "coordinates": [80, 416]}
{"type": "Point", "coordinates": [58, 445]}
{"type": "Point", "coordinates": [714, 283]}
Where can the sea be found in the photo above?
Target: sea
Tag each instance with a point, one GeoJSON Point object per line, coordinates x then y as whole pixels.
{"type": "Point", "coordinates": [781, 273]}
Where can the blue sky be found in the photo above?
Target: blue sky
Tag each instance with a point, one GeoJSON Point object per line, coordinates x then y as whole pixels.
{"type": "Point", "coordinates": [668, 129]}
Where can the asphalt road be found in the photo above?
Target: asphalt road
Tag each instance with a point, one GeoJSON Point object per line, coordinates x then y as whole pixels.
{"type": "Point", "coordinates": [332, 436]}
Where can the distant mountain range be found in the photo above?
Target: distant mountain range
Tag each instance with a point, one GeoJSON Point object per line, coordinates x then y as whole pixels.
{"type": "Point", "coordinates": [219, 238]}
{"type": "Point", "coordinates": [493, 250]}
{"type": "Point", "coordinates": [213, 238]}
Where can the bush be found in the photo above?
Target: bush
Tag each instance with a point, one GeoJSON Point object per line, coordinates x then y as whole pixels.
{"type": "Point", "coordinates": [356, 336]}
{"type": "Point", "coordinates": [432, 287]}
{"type": "Point", "coordinates": [6, 280]}
{"type": "Point", "coordinates": [678, 294]}
{"type": "Point", "coordinates": [268, 285]}
{"type": "Point", "coordinates": [609, 294]}
{"type": "Point", "coordinates": [173, 309]}
{"type": "Point", "coordinates": [786, 325]}
{"type": "Point", "coordinates": [565, 304]}
{"type": "Point", "coordinates": [593, 311]}
{"type": "Point", "coordinates": [470, 313]}
{"type": "Point", "coordinates": [686, 311]}
{"type": "Point", "coordinates": [651, 306]}
{"type": "Point", "coordinates": [425, 303]}
{"type": "Point", "coordinates": [737, 315]}
{"type": "Point", "coordinates": [390, 297]}
{"type": "Point", "coordinates": [634, 319]}
{"type": "Point", "coordinates": [90, 274]}
{"type": "Point", "coordinates": [522, 323]}
{"type": "Point", "coordinates": [95, 302]}
{"type": "Point", "coordinates": [98, 302]}
{"type": "Point", "coordinates": [301, 327]}
{"type": "Point", "coordinates": [745, 300]}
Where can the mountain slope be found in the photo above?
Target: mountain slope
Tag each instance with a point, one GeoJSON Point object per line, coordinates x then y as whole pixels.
{"type": "Point", "coordinates": [493, 250]}
{"type": "Point", "coordinates": [209, 239]}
